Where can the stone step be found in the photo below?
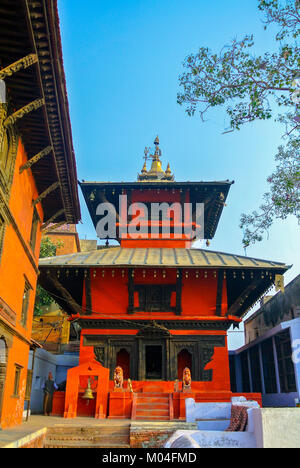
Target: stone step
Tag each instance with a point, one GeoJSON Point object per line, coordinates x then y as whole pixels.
{"type": "Point", "coordinates": [106, 438]}
{"type": "Point", "coordinates": [83, 444]}
{"type": "Point", "coordinates": [152, 400]}
{"type": "Point", "coordinates": [153, 406]}
{"type": "Point", "coordinates": [150, 414]}
{"type": "Point", "coordinates": [88, 437]}
{"type": "Point", "coordinates": [152, 418]}
{"type": "Point", "coordinates": [89, 430]}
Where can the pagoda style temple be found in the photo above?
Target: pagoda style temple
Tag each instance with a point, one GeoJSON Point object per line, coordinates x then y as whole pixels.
{"type": "Point", "coordinates": [154, 312]}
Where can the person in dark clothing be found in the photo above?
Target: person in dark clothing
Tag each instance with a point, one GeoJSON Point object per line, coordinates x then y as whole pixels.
{"type": "Point", "coordinates": [49, 388]}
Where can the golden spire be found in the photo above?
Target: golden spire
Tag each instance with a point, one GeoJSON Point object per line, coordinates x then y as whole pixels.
{"type": "Point", "coordinates": [156, 172]}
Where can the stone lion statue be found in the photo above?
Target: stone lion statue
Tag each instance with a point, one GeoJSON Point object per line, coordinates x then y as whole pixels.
{"type": "Point", "coordinates": [118, 377]}
{"type": "Point", "coordinates": [186, 379]}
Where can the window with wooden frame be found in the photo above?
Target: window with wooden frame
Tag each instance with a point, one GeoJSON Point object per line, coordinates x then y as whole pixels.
{"type": "Point", "coordinates": [34, 229]}
{"type": "Point", "coordinates": [154, 297]}
{"type": "Point", "coordinates": [285, 363]}
{"type": "Point", "coordinates": [269, 366]}
{"type": "Point", "coordinates": [255, 370]}
{"type": "Point", "coordinates": [18, 370]}
{"type": "Point", "coordinates": [25, 304]}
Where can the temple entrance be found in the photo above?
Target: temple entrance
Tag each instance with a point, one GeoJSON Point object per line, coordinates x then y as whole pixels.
{"type": "Point", "coordinates": [184, 359]}
{"type": "Point", "coordinates": [123, 360]}
{"type": "Point", "coordinates": [153, 362]}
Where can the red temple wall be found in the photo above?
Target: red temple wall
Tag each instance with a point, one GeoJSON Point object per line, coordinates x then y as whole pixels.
{"type": "Point", "coordinates": [109, 291]}
{"type": "Point", "coordinates": [219, 363]}
{"type": "Point", "coordinates": [109, 295]}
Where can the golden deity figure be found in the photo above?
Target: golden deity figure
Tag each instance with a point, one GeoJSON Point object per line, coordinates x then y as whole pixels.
{"type": "Point", "coordinates": [186, 380]}
{"type": "Point", "coordinates": [118, 379]}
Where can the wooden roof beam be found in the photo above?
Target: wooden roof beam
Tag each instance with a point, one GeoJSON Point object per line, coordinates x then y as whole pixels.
{"type": "Point", "coordinates": [53, 218]}
{"type": "Point", "coordinates": [45, 193]}
{"type": "Point", "coordinates": [23, 63]}
{"type": "Point", "coordinates": [74, 306]}
{"type": "Point", "coordinates": [13, 118]}
{"type": "Point", "coordinates": [36, 158]}
{"type": "Point", "coordinates": [238, 303]}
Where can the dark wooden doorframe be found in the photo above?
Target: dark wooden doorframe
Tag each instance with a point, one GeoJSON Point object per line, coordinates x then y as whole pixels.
{"type": "Point", "coordinates": [143, 343]}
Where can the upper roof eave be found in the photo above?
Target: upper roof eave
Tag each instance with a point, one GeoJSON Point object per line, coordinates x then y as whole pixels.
{"type": "Point", "coordinates": [118, 257]}
{"type": "Point", "coordinates": [155, 182]}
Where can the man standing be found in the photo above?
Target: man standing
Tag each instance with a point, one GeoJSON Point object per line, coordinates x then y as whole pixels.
{"type": "Point", "coordinates": [49, 388]}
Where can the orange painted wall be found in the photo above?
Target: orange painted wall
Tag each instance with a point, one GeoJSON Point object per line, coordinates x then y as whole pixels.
{"type": "Point", "coordinates": [14, 264]}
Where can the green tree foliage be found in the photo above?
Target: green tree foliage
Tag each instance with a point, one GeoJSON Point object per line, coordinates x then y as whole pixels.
{"type": "Point", "coordinates": [42, 298]}
{"type": "Point", "coordinates": [252, 88]}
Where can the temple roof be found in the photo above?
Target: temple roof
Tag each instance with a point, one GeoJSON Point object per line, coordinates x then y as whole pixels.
{"type": "Point", "coordinates": [213, 194]}
{"type": "Point", "coordinates": [159, 257]}
{"type": "Point", "coordinates": [247, 278]}
{"type": "Point", "coordinates": [33, 28]}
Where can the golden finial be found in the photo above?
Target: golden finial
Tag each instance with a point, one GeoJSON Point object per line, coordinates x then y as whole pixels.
{"type": "Point", "coordinates": [168, 170]}
{"type": "Point", "coordinates": [144, 170]}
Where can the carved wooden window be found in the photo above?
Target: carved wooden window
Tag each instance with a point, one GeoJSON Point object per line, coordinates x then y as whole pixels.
{"type": "Point", "coordinates": [18, 370]}
{"type": "Point", "coordinates": [25, 304]}
{"type": "Point", "coordinates": [3, 356]}
{"type": "Point", "coordinates": [155, 298]}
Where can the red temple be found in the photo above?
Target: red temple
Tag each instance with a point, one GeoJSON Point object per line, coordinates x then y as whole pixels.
{"type": "Point", "coordinates": [153, 305]}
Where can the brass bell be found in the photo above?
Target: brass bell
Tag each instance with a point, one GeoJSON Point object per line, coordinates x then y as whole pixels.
{"type": "Point", "coordinates": [88, 394]}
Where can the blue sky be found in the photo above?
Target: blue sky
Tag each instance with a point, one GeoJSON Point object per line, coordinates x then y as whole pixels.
{"type": "Point", "coordinates": [122, 61]}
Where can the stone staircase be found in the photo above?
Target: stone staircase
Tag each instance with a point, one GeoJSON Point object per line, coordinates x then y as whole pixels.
{"type": "Point", "coordinates": [88, 437]}
{"type": "Point", "coordinates": [152, 407]}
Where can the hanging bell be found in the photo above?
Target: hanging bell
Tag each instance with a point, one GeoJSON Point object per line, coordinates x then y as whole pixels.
{"type": "Point", "coordinates": [88, 394]}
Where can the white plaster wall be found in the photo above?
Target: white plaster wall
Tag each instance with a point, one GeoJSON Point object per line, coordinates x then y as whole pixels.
{"type": "Point", "coordinates": [281, 427]}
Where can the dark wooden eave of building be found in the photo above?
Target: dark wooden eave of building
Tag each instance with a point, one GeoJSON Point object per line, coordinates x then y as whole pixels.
{"type": "Point", "coordinates": [247, 278]}
{"type": "Point", "coordinates": [32, 27]}
{"type": "Point", "coordinates": [212, 194]}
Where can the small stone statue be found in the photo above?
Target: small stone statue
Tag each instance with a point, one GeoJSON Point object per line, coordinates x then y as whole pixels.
{"type": "Point", "coordinates": [118, 379]}
{"type": "Point", "coordinates": [186, 380]}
